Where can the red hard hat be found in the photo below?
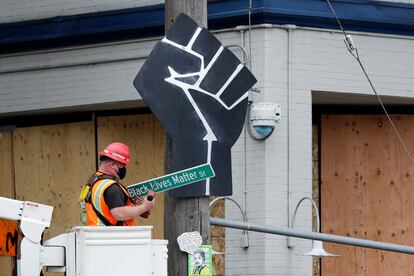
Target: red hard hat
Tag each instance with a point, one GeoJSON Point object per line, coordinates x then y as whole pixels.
{"type": "Point", "coordinates": [117, 151]}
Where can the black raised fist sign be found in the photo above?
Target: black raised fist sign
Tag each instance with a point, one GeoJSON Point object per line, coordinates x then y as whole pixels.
{"type": "Point", "coordinates": [198, 90]}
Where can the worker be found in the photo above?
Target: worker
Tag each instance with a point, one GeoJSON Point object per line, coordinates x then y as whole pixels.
{"type": "Point", "coordinates": [106, 200]}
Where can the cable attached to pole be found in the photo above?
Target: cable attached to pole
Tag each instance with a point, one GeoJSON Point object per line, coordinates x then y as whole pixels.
{"type": "Point", "coordinates": [350, 45]}
{"type": "Point", "coordinates": [250, 34]}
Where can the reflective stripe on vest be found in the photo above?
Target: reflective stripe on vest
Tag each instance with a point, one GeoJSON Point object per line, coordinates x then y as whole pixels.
{"type": "Point", "coordinates": [96, 198]}
{"type": "Point", "coordinates": [98, 201]}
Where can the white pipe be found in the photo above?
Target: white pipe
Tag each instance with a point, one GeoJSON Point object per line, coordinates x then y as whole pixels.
{"type": "Point", "coordinates": [245, 240]}
{"type": "Point", "coordinates": [313, 235]}
{"type": "Point", "coordinates": [245, 135]}
{"type": "Point", "coordinates": [315, 208]}
{"type": "Point", "coordinates": [232, 200]}
{"type": "Point", "coordinates": [288, 73]}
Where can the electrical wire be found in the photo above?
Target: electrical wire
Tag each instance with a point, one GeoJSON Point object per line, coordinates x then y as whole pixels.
{"type": "Point", "coordinates": [250, 35]}
{"type": "Point", "coordinates": [354, 52]}
{"type": "Point", "coordinates": [247, 127]}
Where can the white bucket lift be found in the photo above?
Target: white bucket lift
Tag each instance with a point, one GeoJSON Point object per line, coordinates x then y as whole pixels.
{"type": "Point", "coordinates": [83, 251]}
{"type": "Point", "coordinates": [110, 251]}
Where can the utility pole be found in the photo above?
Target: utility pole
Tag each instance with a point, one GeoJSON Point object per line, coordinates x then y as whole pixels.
{"type": "Point", "coordinates": [183, 214]}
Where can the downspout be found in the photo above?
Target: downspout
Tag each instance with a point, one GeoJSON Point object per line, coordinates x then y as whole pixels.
{"type": "Point", "coordinates": [245, 130]}
{"type": "Point", "coordinates": [289, 29]}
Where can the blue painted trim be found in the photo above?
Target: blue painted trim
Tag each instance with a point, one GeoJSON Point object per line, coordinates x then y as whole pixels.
{"type": "Point", "coordinates": [82, 29]}
{"type": "Point", "coordinates": [356, 15]}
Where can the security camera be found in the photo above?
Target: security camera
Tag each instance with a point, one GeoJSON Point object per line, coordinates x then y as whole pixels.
{"type": "Point", "coordinates": [263, 118]}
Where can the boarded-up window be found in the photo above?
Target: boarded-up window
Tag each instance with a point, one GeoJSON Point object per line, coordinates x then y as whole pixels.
{"type": "Point", "coordinates": [367, 192]}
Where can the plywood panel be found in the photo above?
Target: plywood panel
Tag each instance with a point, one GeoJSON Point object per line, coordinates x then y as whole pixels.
{"type": "Point", "coordinates": [367, 191]}
{"type": "Point", "coordinates": [145, 137]}
{"type": "Point", "coordinates": [6, 190]}
{"type": "Point", "coordinates": [52, 164]}
{"type": "Point", "coordinates": [6, 176]}
{"type": "Point", "coordinates": [217, 235]}
{"type": "Point", "coordinates": [315, 189]}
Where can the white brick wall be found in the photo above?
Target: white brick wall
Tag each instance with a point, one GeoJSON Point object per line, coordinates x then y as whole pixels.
{"type": "Point", "coordinates": [319, 62]}
{"type": "Point", "coordinates": [71, 78]}
{"type": "Point", "coordinates": [22, 10]}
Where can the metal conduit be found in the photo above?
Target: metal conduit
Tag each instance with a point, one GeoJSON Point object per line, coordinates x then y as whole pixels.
{"type": "Point", "coordinates": [313, 235]}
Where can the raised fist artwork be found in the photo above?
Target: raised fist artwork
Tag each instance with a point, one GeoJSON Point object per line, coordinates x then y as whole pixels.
{"type": "Point", "coordinates": [198, 90]}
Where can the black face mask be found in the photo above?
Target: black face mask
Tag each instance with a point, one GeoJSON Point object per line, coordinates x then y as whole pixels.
{"type": "Point", "coordinates": [121, 173]}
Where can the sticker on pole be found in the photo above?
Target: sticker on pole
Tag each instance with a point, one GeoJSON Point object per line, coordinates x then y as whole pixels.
{"type": "Point", "coordinates": [171, 181]}
{"type": "Point", "coordinates": [201, 262]}
{"type": "Point", "coordinates": [189, 241]}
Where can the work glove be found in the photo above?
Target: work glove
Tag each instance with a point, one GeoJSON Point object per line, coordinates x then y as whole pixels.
{"type": "Point", "coordinates": [198, 90]}
{"type": "Point", "coordinates": [140, 200]}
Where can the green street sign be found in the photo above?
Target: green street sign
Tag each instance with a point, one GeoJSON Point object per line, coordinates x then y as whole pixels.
{"type": "Point", "coordinates": [171, 181]}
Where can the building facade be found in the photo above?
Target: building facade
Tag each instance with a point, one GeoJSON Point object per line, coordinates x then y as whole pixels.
{"type": "Point", "coordinates": [70, 58]}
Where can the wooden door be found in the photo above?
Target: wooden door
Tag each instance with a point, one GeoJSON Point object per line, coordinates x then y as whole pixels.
{"type": "Point", "coordinates": [145, 137]}
{"type": "Point", "coordinates": [367, 191]}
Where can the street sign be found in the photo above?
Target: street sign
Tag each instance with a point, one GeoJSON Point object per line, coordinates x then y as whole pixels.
{"type": "Point", "coordinates": [171, 181]}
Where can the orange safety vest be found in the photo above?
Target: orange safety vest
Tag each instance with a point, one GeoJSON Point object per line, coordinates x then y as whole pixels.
{"type": "Point", "coordinates": [98, 201]}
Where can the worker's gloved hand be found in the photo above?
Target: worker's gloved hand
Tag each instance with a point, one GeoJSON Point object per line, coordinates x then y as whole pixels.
{"type": "Point", "coordinates": [198, 90]}
{"type": "Point", "coordinates": [147, 205]}
{"type": "Point", "coordinates": [147, 202]}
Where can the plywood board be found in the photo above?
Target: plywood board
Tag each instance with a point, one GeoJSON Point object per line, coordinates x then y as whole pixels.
{"type": "Point", "coordinates": [52, 163]}
{"type": "Point", "coordinates": [6, 190]}
{"type": "Point", "coordinates": [367, 191]}
{"type": "Point", "coordinates": [315, 190]}
{"type": "Point", "coordinates": [145, 137]}
{"type": "Point", "coordinates": [217, 235]}
{"type": "Point", "coordinates": [6, 168]}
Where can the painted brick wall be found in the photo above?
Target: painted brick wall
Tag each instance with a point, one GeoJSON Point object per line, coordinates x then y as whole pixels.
{"type": "Point", "coordinates": [265, 165]}
{"type": "Point", "coordinates": [71, 78]}
{"type": "Point", "coordinates": [319, 61]}
{"type": "Point", "coordinates": [22, 10]}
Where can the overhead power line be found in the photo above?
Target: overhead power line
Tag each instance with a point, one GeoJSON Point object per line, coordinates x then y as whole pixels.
{"type": "Point", "coordinates": [353, 50]}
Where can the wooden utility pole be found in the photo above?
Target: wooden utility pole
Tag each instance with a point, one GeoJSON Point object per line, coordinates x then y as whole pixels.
{"type": "Point", "coordinates": [183, 214]}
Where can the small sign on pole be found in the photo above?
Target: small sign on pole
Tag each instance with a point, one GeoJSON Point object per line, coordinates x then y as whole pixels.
{"type": "Point", "coordinates": [171, 181]}
{"type": "Point", "coordinates": [201, 262]}
{"type": "Point", "coordinates": [189, 241]}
